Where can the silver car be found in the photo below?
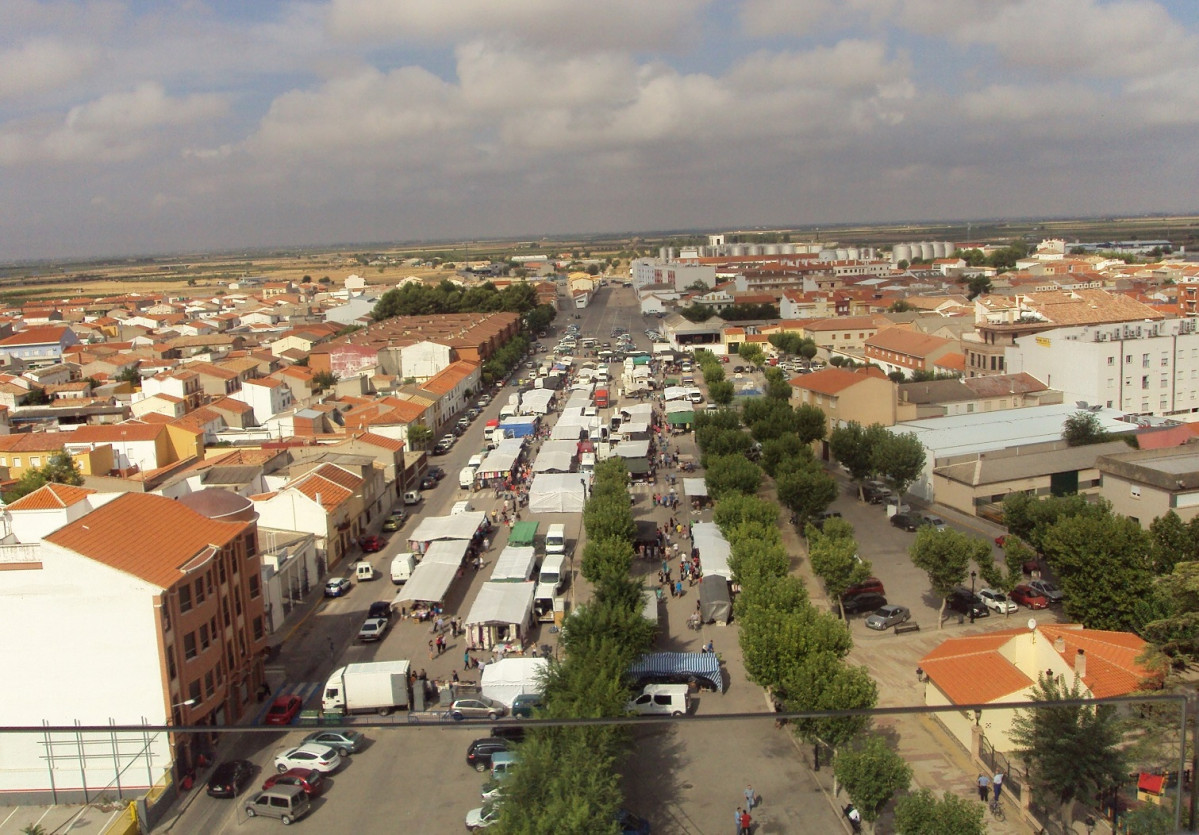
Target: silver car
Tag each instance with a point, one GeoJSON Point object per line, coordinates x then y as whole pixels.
{"type": "Point", "coordinates": [997, 601]}
{"type": "Point", "coordinates": [479, 707]}
{"type": "Point", "coordinates": [887, 616]}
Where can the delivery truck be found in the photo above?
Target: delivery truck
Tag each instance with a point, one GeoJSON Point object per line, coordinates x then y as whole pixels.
{"type": "Point", "coordinates": [369, 687]}
{"type": "Point", "coordinates": [601, 398]}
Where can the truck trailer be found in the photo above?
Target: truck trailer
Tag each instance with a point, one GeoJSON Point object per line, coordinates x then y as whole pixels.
{"type": "Point", "coordinates": [369, 687]}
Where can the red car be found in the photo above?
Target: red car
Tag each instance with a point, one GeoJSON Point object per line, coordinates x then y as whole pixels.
{"type": "Point", "coordinates": [283, 710]}
{"type": "Point", "coordinates": [308, 779]}
{"type": "Point", "coordinates": [371, 544]}
{"type": "Point", "coordinates": [1026, 595]}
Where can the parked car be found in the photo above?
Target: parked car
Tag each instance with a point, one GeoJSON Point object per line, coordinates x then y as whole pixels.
{"type": "Point", "coordinates": [483, 817]}
{"type": "Point", "coordinates": [630, 824]}
{"type": "Point", "coordinates": [394, 521]}
{"type": "Point", "coordinates": [437, 472]}
{"type": "Point", "coordinates": [936, 521]}
{"type": "Point", "coordinates": [372, 629]}
{"type": "Point", "coordinates": [380, 609]}
{"type": "Point", "coordinates": [229, 778]}
{"type": "Point", "coordinates": [907, 521]}
{"type": "Point", "coordinates": [310, 755]}
{"type": "Point", "coordinates": [372, 544]}
{"type": "Point", "coordinates": [286, 803]}
{"type": "Point", "coordinates": [283, 710]}
{"type": "Point", "coordinates": [524, 705]}
{"type": "Point", "coordinates": [412, 497]}
{"type": "Point", "coordinates": [512, 733]}
{"type": "Point", "coordinates": [428, 483]}
{"type": "Point", "coordinates": [870, 584]}
{"type": "Point", "coordinates": [337, 587]}
{"type": "Point", "coordinates": [1026, 595]}
{"type": "Point", "coordinates": [479, 707]}
{"type": "Point", "coordinates": [875, 493]}
{"type": "Point", "coordinates": [824, 516]}
{"type": "Point", "coordinates": [344, 742]}
{"type": "Point", "coordinates": [484, 399]}
{"type": "Point", "coordinates": [1047, 590]}
{"type": "Point", "coordinates": [962, 601]}
{"type": "Point", "coordinates": [997, 601]}
{"type": "Point", "coordinates": [478, 753]}
{"type": "Point", "coordinates": [887, 616]}
{"type": "Point", "coordinates": [308, 779]}
{"type": "Point", "coordinates": [866, 601]}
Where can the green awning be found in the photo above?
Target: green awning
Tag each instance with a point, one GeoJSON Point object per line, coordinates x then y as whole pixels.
{"type": "Point", "coordinates": [680, 418]}
{"type": "Point", "coordinates": [671, 381]}
{"type": "Point", "coordinates": [641, 360]}
{"type": "Point", "coordinates": [636, 466]}
{"type": "Point", "coordinates": [522, 534]}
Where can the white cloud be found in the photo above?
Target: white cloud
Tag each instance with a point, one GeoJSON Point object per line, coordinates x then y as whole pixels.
{"type": "Point", "coordinates": [546, 24]}
{"type": "Point", "coordinates": [118, 126]}
{"type": "Point", "coordinates": [42, 64]}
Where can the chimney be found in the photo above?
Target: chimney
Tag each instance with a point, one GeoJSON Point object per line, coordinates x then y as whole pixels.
{"type": "Point", "coordinates": [1080, 664]}
{"type": "Point", "coordinates": [1059, 643]}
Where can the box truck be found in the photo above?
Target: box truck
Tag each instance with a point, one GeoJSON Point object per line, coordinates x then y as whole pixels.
{"type": "Point", "coordinates": [375, 686]}
{"type": "Point", "coordinates": [601, 398]}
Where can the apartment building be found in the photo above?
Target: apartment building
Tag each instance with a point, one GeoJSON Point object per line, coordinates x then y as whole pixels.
{"type": "Point", "coordinates": [1143, 368]}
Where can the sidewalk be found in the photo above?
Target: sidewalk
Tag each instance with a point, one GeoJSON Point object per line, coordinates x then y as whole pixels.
{"type": "Point", "coordinates": [938, 762]}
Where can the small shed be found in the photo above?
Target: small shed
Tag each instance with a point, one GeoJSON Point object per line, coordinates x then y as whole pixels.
{"type": "Point", "coordinates": [715, 603]}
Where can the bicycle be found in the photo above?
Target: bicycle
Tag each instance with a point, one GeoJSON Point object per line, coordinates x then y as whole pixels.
{"type": "Point", "coordinates": [996, 809]}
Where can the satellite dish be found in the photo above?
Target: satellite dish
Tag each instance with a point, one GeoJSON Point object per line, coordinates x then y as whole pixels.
{"type": "Point", "coordinates": [1032, 624]}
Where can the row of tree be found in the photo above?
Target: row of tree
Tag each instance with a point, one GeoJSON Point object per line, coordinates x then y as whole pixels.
{"type": "Point", "coordinates": [567, 780]}
{"type": "Point", "coordinates": [446, 297]}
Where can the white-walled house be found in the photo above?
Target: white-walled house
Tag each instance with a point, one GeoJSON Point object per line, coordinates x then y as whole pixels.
{"type": "Point", "coordinates": [267, 396]}
{"type": "Point", "coordinates": [422, 360]}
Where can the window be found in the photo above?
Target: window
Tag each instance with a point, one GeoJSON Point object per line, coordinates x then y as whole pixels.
{"type": "Point", "coordinates": [189, 646]}
{"type": "Point", "coordinates": [1144, 360]}
{"type": "Point", "coordinates": [1111, 382]}
{"type": "Point", "coordinates": [209, 684]}
{"type": "Point", "coordinates": [16, 461]}
{"type": "Point", "coordinates": [166, 617]}
{"type": "Point", "coordinates": [254, 590]}
{"type": "Point", "coordinates": [1165, 360]}
{"type": "Point", "coordinates": [203, 637]}
{"type": "Point", "coordinates": [199, 591]}
{"type": "Point", "coordinates": [185, 598]}
{"type": "Point", "coordinates": [193, 691]}
{"type": "Point", "coordinates": [1165, 380]}
{"type": "Point", "coordinates": [171, 670]}
{"type": "Point", "coordinates": [225, 611]}
{"type": "Point", "coordinates": [1111, 360]}
{"type": "Point", "coordinates": [1134, 490]}
{"type": "Point", "coordinates": [1128, 359]}
{"type": "Point", "coordinates": [220, 567]}
{"type": "Point", "coordinates": [1145, 382]}
{"type": "Point", "coordinates": [208, 581]}
{"type": "Point", "coordinates": [35, 461]}
{"type": "Point", "coordinates": [257, 626]}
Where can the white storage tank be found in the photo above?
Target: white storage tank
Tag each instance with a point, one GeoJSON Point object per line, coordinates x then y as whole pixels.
{"type": "Point", "coordinates": [787, 249]}
{"type": "Point", "coordinates": [926, 251]}
{"type": "Point", "coordinates": [901, 252]}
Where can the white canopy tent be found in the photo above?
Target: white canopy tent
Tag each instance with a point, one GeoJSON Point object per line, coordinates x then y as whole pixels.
{"type": "Point", "coordinates": [448, 551]}
{"type": "Point", "coordinates": [631, 449]}
{"type": "Point", "coordinates": [637, 412]}
{"type": "Point", "coordinates": [695, 487]}
{"type": "Point", "coordinates": [557, 493]}
{"type": "Point", "coordinates": [514, 564]}
{"type": "Point", "coordinates": [633, 427]}
{"type": "Point", "coordinates": [433, 528]}
{"type": "Point", "coordinates": [508, 678]}
{"type": "Point", "coordinates": [500, 614]}
{"type": "Point", "coordinates": [536, 402]}
{"type": "Point", "coordinates": [501, 460]}
{"type": "Point", "coordinates": [679, 406]}
{"type": "Point", "coordinates": [713, 549]}
{"type": "Point", "coordinates": [428, 584]}
{"type": "Point", "coordinates": [553, 461]}
{"type": "Point", "coordinates": [679, 392]}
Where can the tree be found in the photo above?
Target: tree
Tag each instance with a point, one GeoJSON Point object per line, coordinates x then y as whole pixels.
{"type": "Point", "coordinates": [834, 556]}
{"type": "Point", "coordinates": [1150, 819]}
{"type": "Point", "coordinates": [731, 474]}
{"type": "Point", "coordinates": [945, 556]}
{"type": "Point", "coordinates": [900, 306]}
{"type": "Point", "coordinates": [871, 773]}
{"type": "Point", "coordinates": [419, 436]}
{"type": "Point", "coordinates": [751, 353]}
{"type": "Point", "coordinates": [1174, 630]}
{"type": "Point", "coordinates": [853, 446]}
{"type": "Point", "coordinates": [59, 469]}
{"type": "Point", "coordinates": [810, 423]}
{"type": "Point", "coordinates": [922, 813]}
{"type": "Point", "coordinates": [1173, 541]}
{"type": "Point", "coordinates": [324, 379]}
{"type": "Point", "coordinates": [1071, 751]}
{"type": "Point", "coordinates": [823, 681]}
{"type": "Point", "coordinates": [722, 392]}
{"type": "Point", "coordinates": [899, 459]}
{"type": "Point", "coordinates": [1102, 566]}
{"type": "Point", "coordinates": [1083, 428]}
{"type": "Point", "coordinates": [978, 285]}
{"type": "Point", "coordinates": [697, 313]}
{"type": "Point", "coordinates": [807, 492]}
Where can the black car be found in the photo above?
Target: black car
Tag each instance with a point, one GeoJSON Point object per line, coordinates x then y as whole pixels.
{"type": "Point", "coordinates": [512, 733]}
{"type": "Point", "coordinates": [962, 600]}
{"type": "Point", "coordinates": [478, 754]}
{"type": "Point", "coordinates": [230, 777]}
{"type": "Point", "coordinates": [907, 521]}
{"type": "Point", "coordinates": [428, 483]}
{"type": "Point", "coordinates": [875, 494]}
{"type": "Point", "coordinates": [864, 602]}
{"type": "Point", "coordinates": [437, 473]}
{"type": "Point", "coordinates": [380, 609]}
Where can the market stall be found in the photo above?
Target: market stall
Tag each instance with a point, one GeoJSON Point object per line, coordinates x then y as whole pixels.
{"type": "Point", "coordinates": [462, 526]}
{"type": "Point", "coordinates": [500, 617]}
{"type": "Point", "coordinates": [514, 565]}
{"type": "Point", "coordinates": [557, 493]}
{"type": "Point", "coordinates": [713, 549]}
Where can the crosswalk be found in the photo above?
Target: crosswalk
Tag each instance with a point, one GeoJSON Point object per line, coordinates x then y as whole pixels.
{"type": "Point", "coordinates": [304, 689]}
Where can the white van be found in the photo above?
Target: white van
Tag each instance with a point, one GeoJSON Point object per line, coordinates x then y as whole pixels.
{"type": "Point", "coordinates": [402, 566]}
{"type": "Point", "coordinates": [661, 699]}
{"type": "Point", "coordinates": [466, 478]}
{"type": "Point", "coordinates": [552, 572]}
{"type": "Point", "coordinates": [364, 571]}
{"type": "Point", "coordinates": [461, 507]}
{"type": "Point", "coordinates": [507, 412]}
{"type": "Point", "coordinates": [475, 461]}
{"type": "Point", "coordinates": [555, 539]}
{"type": "Point", "coordinates": [587, 463]}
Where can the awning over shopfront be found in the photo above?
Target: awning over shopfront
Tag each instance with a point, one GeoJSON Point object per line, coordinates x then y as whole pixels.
{"type": "Point", "coordinates": [502, 603]}
{"type": "Point", "coordinates": [428, 584]}
{"type": "Point", "coordinates": [713, 549]}
{"type": "Point", "coordinates": [522, 534]}
{"type": "Point", "coordinates": [514, 565]}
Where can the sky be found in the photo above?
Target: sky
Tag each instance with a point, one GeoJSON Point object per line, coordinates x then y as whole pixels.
{"type": "Point", "coordinates": [154, 126]}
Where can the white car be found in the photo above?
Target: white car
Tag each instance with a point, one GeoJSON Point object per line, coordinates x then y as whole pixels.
{"type": "Point", "coordinates": [372, 629]}
{"type": "Point", "coordinates": [997, 601]}
{"type": "Point", "coordinates": [310, 755]}
{"type": "Point", "coordinates": [482, 817]}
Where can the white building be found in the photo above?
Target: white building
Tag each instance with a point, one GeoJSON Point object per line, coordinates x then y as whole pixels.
{"type": "Point", "coordinates": [267, 397]}
{"type": "Point", "coordinates": [1144, 368]}
{"type": "Point", "coordinates": [422, 360]}
{"type": "Point", "coordinates": [647, 271]}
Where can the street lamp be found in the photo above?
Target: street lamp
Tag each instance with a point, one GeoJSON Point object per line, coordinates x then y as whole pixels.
{"type": "Point", "coordinates": [973, 575]}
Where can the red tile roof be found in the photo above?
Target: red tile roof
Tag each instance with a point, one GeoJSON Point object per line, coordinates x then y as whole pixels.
{"type": "Point", "coordinates": [828, 380]}
{"type": "Point", "coordinates": [47, 335]}
{"type": "Point", "coordinates": [147, 536]}
{"type": "Point", "coordinates": [51, 496]}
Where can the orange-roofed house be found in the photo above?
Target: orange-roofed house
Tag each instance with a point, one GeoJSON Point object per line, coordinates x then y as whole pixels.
{"type": "Point", "coordinates": [1003, 666]}
{"type": "Point", "coordinates": [452, 387]}
{"type": "Point", "coordinates": [27, 451]}
{"type": "Point", "coordinates": [39, 346]}
{"type": "Point", "coordinates": [327, 501]}
{"type": "Point", "coordinates": [135, 446]}
{"type": "Point", "coordinates": [864, 395]}
{"type": "Point", "coordinates": [159, 619]}
{"type": "Point", "coordinates": [907, 351]}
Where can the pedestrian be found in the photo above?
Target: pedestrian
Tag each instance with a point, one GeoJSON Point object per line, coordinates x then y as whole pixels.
{"type": "Point", "coordinates": [440, 625]}
{"type": "Point", "coordinates": [673, 590]}
{"type": "Point", "coordinates": [746, 823]}
{"type": "Point", "coordinates": [997, 783]}
{"type": "Point", "coordinates": [432, 650]}
{"type": "Point", "coordinates": [678, 588]}
{"type": "Point", "coordinates": [454, 678]}
{"type": "Point", "coordinates": [750, 795]}
{"type": "Point", "coordinates": [737, 820]}
{"type": "Point", "coordinates": [486, 544]}
{"type": "Point", "coordinates": [466, 659]}
{"type": "Point", "coordinates": [984, 785]}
